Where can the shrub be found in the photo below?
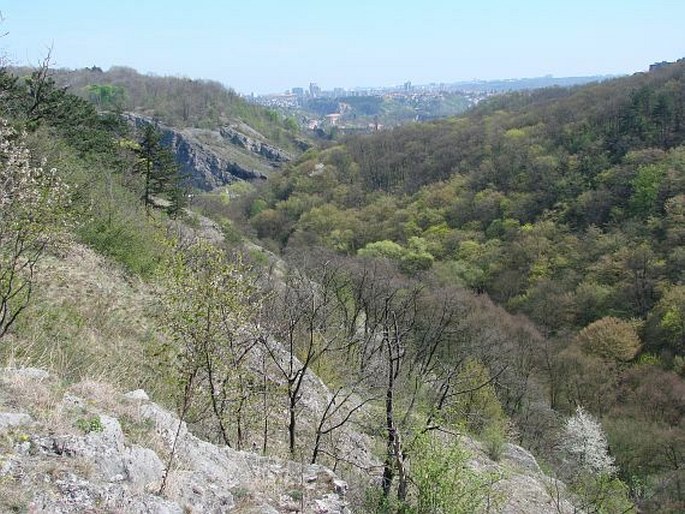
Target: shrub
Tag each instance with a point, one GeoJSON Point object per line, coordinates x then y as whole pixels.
{"type": "Point", "coordinates": [34, 216]}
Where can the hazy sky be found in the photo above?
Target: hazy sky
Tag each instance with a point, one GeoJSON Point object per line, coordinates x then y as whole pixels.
{"type": "Point", "coordinates": [273, 45]}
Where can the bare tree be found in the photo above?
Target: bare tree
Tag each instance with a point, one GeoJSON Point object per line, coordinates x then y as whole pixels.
{"type": "Point", "coordinates": [303, 317]}
{"type": "Point", "coordinates": [209, 305]}
{"type": "Point", "coordinates": [340, 408]}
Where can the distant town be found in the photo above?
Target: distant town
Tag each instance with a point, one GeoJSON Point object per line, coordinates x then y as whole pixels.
{"type": "Point", "coordinates": [373, 108]}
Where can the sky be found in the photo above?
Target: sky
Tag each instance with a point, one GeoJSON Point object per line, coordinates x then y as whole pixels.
{"type": "Point", "coordinates": [269, 46]}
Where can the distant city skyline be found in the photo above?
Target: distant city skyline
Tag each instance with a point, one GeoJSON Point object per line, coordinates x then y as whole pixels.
{"type": "Point", "coordinates": [270, 46]}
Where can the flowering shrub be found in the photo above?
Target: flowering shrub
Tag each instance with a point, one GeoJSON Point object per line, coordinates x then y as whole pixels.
{"type": "Point", "coordinates": [34, 216]}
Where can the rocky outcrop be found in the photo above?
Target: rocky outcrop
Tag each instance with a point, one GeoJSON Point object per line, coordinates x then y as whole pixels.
{"type": "Point", "coordinates": [266, 150]}
{"type": "Point", "coordinates": [205, 168]}
{"type": "Point", "coordinates": [518, 484]}
{"type": "Point", "coordinates": [214, 158]}
{"type": "Point", "coordinates": [105, 453]}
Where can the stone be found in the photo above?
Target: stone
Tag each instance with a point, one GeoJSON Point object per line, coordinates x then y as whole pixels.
{"type": "Point", "coordinates": [14, 419]}
{"type": "Point", "coordinates": [521, 458]}
{"type": "Point", "coordinates": [28, 373]}
{"type": "Point", "coordinates": [138, 395]}
{"type": "Point", "coordinates": [143, 467]}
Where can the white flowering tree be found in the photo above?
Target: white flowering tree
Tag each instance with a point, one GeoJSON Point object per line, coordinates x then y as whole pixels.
{"type": "Point", "coordinates": [590, 469]}
{"type": "Point", "coordinates": [585, 446]}
{"type": "Point", "coordinates": [33, 216]}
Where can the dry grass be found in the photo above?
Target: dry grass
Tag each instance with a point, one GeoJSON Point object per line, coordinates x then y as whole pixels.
{"type": "Point", "coordinates": [88, 320]}
{"type": "Point", "coordinates": [39, 398]}
{"type": "Point", "coordinates": [13, 497]}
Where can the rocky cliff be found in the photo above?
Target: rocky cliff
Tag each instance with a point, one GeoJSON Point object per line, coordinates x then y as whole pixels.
{"type": "Point", "coordinates": [213, 158]}
{"type": "Point", "coordinates": [90, 449]}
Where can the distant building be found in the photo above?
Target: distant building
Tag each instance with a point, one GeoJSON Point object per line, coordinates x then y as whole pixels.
{"type": "Point", "coordinates": [658, 65]}
{"type": "Point", "coordinates": [407, 86]}
{"type": "Point", "coordinates": [314, 90]}
{"type": "Point", "coordinates": [333, 118]}
{"type": "Point", "coordinates": [298, 91]}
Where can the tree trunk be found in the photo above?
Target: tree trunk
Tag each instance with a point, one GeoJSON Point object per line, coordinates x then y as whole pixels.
{"type": "Point", "coordinates": [291, 422]}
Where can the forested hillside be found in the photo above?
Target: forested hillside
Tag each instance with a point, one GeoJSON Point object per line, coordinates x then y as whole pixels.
{"type": "Point", "coordinates": [394, 329]}
{"type": "Point", "coordinates": [564, 205]}
{"type": "Point", "coordinates": [176, 101]}
{"type": "Point", "coordinates": [104, 276]}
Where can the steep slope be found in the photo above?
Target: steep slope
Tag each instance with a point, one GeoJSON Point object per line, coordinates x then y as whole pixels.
{"type": "Point", "coordinates": [96, 449]}
{"type": "Point", "coordinates": [91, 447]}
{"type": "Point", "coordinates": [565, 205]}
{"type": "Point", "coordinates": [217, 136]}
{"type": "Point", "coordinates": [214, 158]}
{"type": "Point", "coordinates": [74, 445]}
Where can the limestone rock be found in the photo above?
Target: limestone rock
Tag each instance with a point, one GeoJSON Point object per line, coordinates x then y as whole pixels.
{"type": "Point", "coordinates": [214, 158]}
{"type": "Point", "coordinates": [138, 395]}
{"type": "Point", "coordinates": [85, 462]}
{"type": "Point", "coordinates": [13, 419]}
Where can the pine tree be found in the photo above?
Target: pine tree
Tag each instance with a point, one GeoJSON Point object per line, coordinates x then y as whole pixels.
{"type": "Point", "coordinates": [157, 165]}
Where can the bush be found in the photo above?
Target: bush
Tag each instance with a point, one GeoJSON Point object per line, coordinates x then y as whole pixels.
{"type": "Point", "coordinates": [34, 216]}
{"type": "Point", "coordinates": [442, 480]}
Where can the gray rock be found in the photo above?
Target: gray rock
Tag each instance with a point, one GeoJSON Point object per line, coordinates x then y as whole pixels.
{"type": "Point", "coordinates": [138, 395]}
{"type": "Point", "coordinates": [232, 155]}
{"type": "Point", "coordinates": [197, 492]}
{"type": "Point", "coordinates": [530, 495]}
{"type": "Point", "coordinates": [521, 458]}
{"type": "Point", "coordinates": [28, 373]}
{"type": "Point", "coordinates": [330, 504]}
{"type": "Point", "coordinates": [143, 467]}
{"type": "Point", "coordinates": [13, 419]}
{"type": "Point", "coordinates": [266, 150]}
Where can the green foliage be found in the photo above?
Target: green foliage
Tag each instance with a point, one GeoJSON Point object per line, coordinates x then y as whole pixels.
{"type": "Point", "coordinates": [208, 304]}
{"type": "Point", "coordinates": [610, 338]}
{"type": "Point", "coordinates": [176, 101]}
{"type": "Point", "coordinates": [386, 249]}
{"type": "Point", "coordinates": [412, 259]}
{"type": "Point", "coordinates": [117, 226]}
{"type": "Point", "coordinates": [127, 238]}
{"type": "Point", "coordinates": [90, 424]}
{"type": "Point", "coordinates": [476, 406]}
{"type": "Point", "coordinates": [646, 187]}
{"type": "Point", "coordinates": [295, 494]}
{"type": "Point", "coordinates": [603, 494]}
{"type": "Point", "coordinates": [107, 96]}
{"type": "Point", "coordinates": [159, 170]}
{"type": "Point", "coordinates": [442, 480]}
{"type": "Point", "coordinates": [667, 320]}
{"type": "Point", "coordinates": [564, 205]}
{"type": "Point", "coordinates": [35, 100]}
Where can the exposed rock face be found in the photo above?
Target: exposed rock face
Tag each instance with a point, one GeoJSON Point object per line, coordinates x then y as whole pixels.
{"type": "Point", "coordinates": [267, 151]}
{"type": "Point", "coordinates": [519, 486]}
{"type": "Point", "coordinates": [214, 158]}
{"type": "Point", "coordinates": [204, 167]}
{"type": "Point", "coordinates": [84, 461]}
